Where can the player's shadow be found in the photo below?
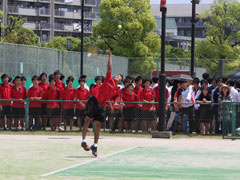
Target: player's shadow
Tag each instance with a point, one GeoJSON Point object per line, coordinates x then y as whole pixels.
{"type": "Point", "coordinates": [80, 157]}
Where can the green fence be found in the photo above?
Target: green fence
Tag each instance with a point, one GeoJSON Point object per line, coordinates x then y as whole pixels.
{"type": "Point", "coordinates": [228, 117]}
{"type": "Point", "coordinates": [231, 120]}
{"type": "Point", "coordinates": [25, 60]}
{"type": "Point", "coordinates": [30, 60]}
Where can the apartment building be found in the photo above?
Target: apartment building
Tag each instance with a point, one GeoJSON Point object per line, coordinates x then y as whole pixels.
{"type": "Point", "coordinates": [50, 18]}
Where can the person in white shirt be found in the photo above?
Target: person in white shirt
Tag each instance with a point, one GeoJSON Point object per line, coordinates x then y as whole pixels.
{"type": "Point", "coordinates": [234, 93]}
{"type": "Point", "coordinates": [155, 82]}
{"type": "Point", "coordinates": [187, 104]}
{"type": "Point", "coordinates": [84, 77]}
{"type": "Point", "coordinates": [195, 94]}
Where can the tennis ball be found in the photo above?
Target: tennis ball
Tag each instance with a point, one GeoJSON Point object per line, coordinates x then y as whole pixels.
{"type": "Point", "coordinates": [119, 26]}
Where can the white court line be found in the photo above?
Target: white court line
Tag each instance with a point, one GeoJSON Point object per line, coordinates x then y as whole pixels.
{"type": "Point", "coordinates": [86, 162]}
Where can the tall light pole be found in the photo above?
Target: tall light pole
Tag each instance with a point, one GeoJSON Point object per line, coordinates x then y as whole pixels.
{"type": "Point", "coordinates": [82, 37]}
{"type": "Point", "coordinates": [162, 76]}
{"type": "Point", "coordinates": [0, 29]}
{"type": "Point", "coordinates": [194, 2]}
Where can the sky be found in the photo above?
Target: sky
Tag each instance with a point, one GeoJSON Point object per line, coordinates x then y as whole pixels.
{"type": "Point", "coordinates": [181, 1]}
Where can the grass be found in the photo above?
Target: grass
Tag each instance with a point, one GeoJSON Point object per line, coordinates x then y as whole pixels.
{"type": "Point", "coordinates": [76, 132]}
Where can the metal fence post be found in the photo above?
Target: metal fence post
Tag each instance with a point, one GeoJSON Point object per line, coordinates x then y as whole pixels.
{"type": "Point", "coordinates": [4, 58]}
{"type": "Point", "coordinates": [26, 114]}
{"type": "Point", "coordinates": [16, 59]}
{"type": "Point", "coordinates": [38, 65]}
{"type": "Point", "coordinates": [27, 65]}
{"type": "Point", "coordinates": [234, 111]}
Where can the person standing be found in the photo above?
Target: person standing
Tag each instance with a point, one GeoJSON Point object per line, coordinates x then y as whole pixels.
{"type": "Point", "coordinates": [205, 112]}
{"type": "Point", "coordinates": [187, 104]}
{"type": "Point", "coordinates": [81, 94]}
{"type": "Point", "coordinates": [35, 94]}
{"type": "Point", "coordinates": [5, 106]}
{"type": "Point", "coordinates": [68, 94]}
{"type": "Point", "coordinates": [19, 93]}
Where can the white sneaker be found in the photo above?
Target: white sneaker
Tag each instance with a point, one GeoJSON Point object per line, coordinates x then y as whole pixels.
{"type": "Point", "coordinates": [60, 129]}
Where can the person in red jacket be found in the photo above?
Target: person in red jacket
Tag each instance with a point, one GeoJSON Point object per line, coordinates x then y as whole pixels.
{"type": "Point", "coordinates": [147, 96]}
{"type": "Point", "coordinates": [95, 105]}
{"type": "Point", "coordinates": [156, 90]}
{"type": "Point", "coordinates": [129, 108]}
{"type": "Point", "coordinates": [81, 94]}
{"type": "Point", "coordinates": [53, 111]}
{"type": "Point", "coordinates": [115, 113]}
{"type": "Point", "coordinates": [137, 91]}
{"type": "Point", "coordinates": [18, 92]}
{"type": "Point", "coordinates": [35, 94]}
{"type": "Point", "coordinates": [44, 86]}
{"type": "Point", "coordinates": [60, 86]}
{"type": "Point", "coordinates": [5, 106]}
{"type": "Point", "coordinates": [68, 107]}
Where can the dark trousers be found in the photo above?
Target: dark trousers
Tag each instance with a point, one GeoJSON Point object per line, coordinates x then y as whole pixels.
{"type": "Point", "coordinates": [189, 112]}
{"type": "Point", "coordinates": [217, 122]}
{"type": "Point", "coordinates": [197, 120]}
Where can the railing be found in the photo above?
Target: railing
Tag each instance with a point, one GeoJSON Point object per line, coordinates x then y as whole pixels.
{"type": "Point", "coordinates": [226, 115]}
{"type": "Point", "coordinates": [59, 13]}
{"type": "Point", "coordinates": [89, 15]}
{"type": "Point", "coordinates": [13, 9]}
{"type": "Point", "coordinates": [60, 1]}
{"type": "Point", "coordinates": [90, 2]}
{"type": "Point", "coordinates": [59, 26]}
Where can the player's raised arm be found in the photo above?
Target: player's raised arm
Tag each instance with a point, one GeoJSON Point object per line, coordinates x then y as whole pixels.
{"type": "Point", "coordinates": [109, 60]}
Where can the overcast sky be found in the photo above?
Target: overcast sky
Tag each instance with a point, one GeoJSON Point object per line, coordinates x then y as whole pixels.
{"type": "Point", "coordinates": [181, 1]}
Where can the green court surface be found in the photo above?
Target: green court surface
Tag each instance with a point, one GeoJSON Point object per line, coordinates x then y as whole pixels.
{"type": "Point", "coordinates": [51, 157]}
{"type": "Point", "coordinates": [160, 163]}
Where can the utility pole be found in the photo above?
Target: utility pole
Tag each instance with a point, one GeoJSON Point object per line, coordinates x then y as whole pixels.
{"type": "Point", "coordinates": [194, 2]}
{"type": "Point", "coordinates": [162, 77]}
{"type": "Point", "coordinates": [82, 37]}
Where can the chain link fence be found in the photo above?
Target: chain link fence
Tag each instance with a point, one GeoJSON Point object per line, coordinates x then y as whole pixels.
{"type": "Point", "coordinates": [130, 117]}
{"type": "Point", "coordinates": [27, 61]}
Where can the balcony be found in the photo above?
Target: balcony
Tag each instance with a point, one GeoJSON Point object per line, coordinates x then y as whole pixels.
{"type": "Point", "coordinates": [28, 11]}
{"type": "Point", "coordinates": [59, 1]}
{"type": "Point", "coordinates": [74, 15]}
{"type": "Point", "coordinates": [37, 26]}
{"type": "Point", "coordinates": [43, 1]}
{"type": "Point", "coordinates": [59, 13]}
{"type": "Point", "coordinates": [90, 2]}
{"type": "Point", "coordinates": [89, 15]}
{"type": "Point", "coordinates": [69, 28]}
{"type": "Point", "coordinates": [30, 25]}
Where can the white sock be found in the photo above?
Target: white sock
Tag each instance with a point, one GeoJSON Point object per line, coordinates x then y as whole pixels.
{"type": "Point", "coordinates": [84, 140]}
{"type": "Point", "coordinates": [95, 145]}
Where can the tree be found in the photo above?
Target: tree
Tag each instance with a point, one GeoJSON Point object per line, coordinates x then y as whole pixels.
{"type": "Point", "coordinates": [126, 28]}
{"type": "Point", "coordinates": [16, 33]}
{"type": "Point", "coordinates": [1, 15]}
{"type": "Point", "coordinates": [61, 43]}
{"type": "Point", "coordinates": [223, 29]}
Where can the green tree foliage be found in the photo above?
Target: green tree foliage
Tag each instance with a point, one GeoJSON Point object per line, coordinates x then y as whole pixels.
{"type": "Point", "coordinates": [61, 43]}
{"type": "Point", "coordinates": [223, 29]}
{"type": "Point", "coordinates": [1, 15]}
{"type": "Point", "coordinates": [134, 37]}
{"type": "Point", "coordinates": [16, 33]}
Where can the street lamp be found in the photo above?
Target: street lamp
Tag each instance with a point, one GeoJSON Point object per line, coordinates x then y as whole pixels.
{"type": "Point", "coordinates": [162, 76]}
{"type": "Point", "coordinates": [82, 36]}
{"type": "Point", "coordinates": [194, 2]}
{"type": "Point", "coordinates": [0, 30]}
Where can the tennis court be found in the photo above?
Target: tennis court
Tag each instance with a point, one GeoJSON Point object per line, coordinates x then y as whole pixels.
{"type": "Point", "coordinates": [61, 157]}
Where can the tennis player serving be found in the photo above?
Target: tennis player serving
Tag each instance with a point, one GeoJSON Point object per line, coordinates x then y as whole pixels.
{"type": "Point", "coordinates": [95, 105]}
